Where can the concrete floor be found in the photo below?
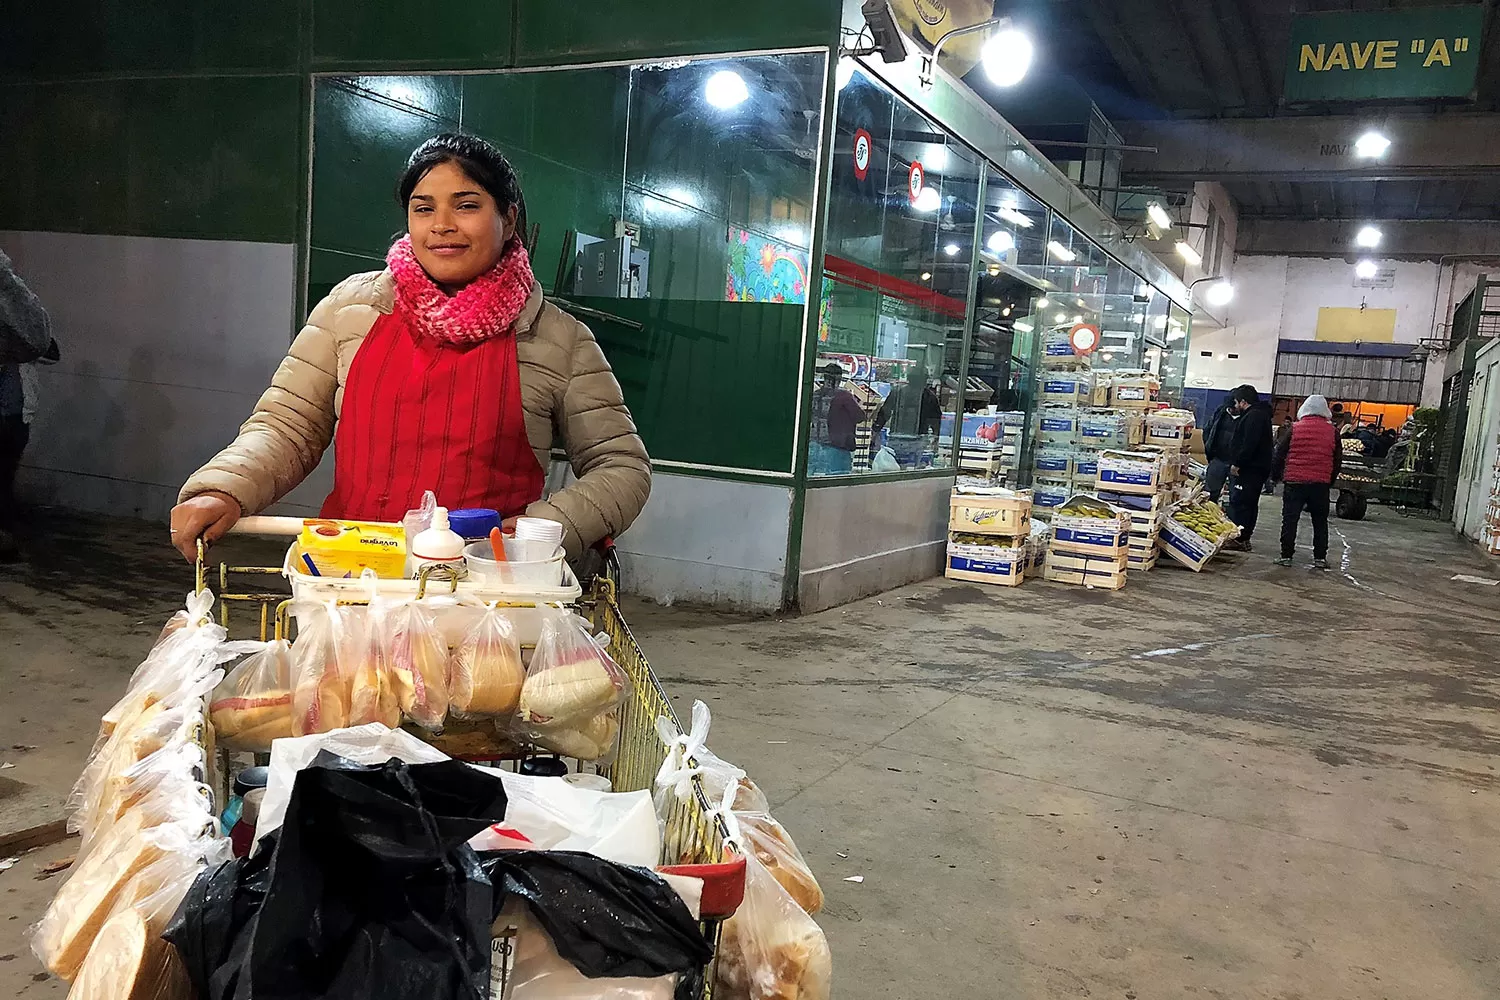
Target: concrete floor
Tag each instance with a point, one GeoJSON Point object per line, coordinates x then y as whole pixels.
{"type": "Point", "coordinates": [1250, 783]}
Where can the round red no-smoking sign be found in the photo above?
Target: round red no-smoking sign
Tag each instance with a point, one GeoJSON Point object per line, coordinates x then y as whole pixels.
{"type": "Point", "coordinates": [915, 181]}
{"type": "Point", "coordinates": [862, 142]}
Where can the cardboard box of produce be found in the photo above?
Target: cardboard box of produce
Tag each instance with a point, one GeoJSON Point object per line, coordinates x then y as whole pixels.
{"type": "Point", "coordinates": [1085, 526]}
{"type": "Point", "coordinates": [1130, 471]}
{"type": "Point", "coordinates": [1086, 571]}
{"type": "Point", "coordinates": [1194, 531]}
{"type": "Point", "coordinates": [1170, 428]}
{"type": "Point", "coordinates": [1067, 388]}
{"type": "Point", "coordinates": [981, 563]}
{"type": "Point", "coordinates": [1001, 513]}
{"type": "Point", "coordinates": [1134, 392]}
{"type": "Point", "coordinates": [1142, 563]}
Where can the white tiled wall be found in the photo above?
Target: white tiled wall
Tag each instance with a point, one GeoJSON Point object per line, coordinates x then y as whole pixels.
{"type": "Point", "coordinates": [166, 344]}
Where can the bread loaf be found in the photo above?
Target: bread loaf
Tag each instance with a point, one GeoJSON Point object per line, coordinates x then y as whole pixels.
{"type": "Point", "coordinates": [488, 679]}
{"type": "Point", "coordinates": [774, 848]}
{"type": "Point", "coordinates": [418, 667]}
{"type": "Point", "coordinates": [128, 961]}
{"type": "Point", "coordinates": [567, 691]}
{"type": "Point", "coordinates": [252, 722]}
{"type": "Point", "coordinates": [591, 739]}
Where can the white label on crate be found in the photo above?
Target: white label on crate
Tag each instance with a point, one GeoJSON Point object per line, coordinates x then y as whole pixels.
{"type": "Point", "coordinates": [1130, 392]}
{"type": "Point", "coordinates": [1058, 424]}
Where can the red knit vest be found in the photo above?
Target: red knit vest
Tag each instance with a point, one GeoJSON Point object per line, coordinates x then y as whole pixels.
{"type": "Point", "coordinates": [1309, 457]}
{"type": "Point", "coordinates": [420, 414]}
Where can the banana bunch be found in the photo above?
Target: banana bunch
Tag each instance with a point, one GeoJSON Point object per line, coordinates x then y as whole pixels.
{"type": "Point", "coordinates": [1083, 506]}
{"type": "Point", "coordinates": [1206, 519]}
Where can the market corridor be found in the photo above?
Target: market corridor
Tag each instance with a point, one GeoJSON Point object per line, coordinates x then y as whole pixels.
{"type": "Point", "coordinates": [1253, 782]}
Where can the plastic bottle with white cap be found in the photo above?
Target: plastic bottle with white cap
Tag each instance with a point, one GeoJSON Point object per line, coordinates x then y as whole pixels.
{"type": "Point", "coordinates": [439, 545]}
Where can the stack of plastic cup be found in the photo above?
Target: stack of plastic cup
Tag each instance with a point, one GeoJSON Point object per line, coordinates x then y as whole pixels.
{"type": "Point", "coordinates": [540, 537]}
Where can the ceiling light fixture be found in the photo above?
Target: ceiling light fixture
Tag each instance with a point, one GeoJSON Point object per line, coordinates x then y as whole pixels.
{"type": "Point", "coordinates": [1159, 216]}
{"type": "Point", "coordinates": [1187, 253]}
{"type": "Point", "coordinates": [951, 249]}
{"type": "Point", "coordinates": [1007, 56]}
{"type": "Point", "coordinates": [726, 89]}
{"type": "Point", "coordinates": [1043, 302]}
{"type": "Point", "coordinates": [929, 200]}
{"type": "Point", "coordinates": [1372, 145]}
{"type": "Point", "coordinates": [1061, 252]}
{"type": "Point", "coordinates": [926, 275]}
{"type": "Point", "coordinates": [1000, 241]}
{"type": "Point", "coordinates": [1220, 293]}
{"type": "Point", "coordinates": [1014, 216]}
{"type": "Point", "coordinates": [1368, 237]}
{"type": "Point", "coordinates": [1365, 270]}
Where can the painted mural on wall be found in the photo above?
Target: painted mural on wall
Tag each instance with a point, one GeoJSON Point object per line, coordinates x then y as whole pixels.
{"type": "Point", "coordinates": [764, 270]}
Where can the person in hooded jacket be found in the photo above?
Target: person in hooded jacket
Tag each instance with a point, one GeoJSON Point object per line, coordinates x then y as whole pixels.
{"type": "Point", "coordinates": [1250, 462]}
{"type": "Point", "coordinates": [1309, 463]}
{"type": "Point", "coordinates": [1218, 437]}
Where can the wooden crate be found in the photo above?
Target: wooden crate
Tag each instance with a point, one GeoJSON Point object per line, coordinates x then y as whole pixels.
{"type": "Point", "coordinates": [1086, 571]}
{"type": "Point", "coordinates": [990, 515]}
{"type": "Point", "coordinates": [1004, 566]}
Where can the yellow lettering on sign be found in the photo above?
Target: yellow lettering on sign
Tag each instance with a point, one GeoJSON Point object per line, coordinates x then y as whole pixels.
{"type": "Point", "coordinates": [1338, 57]}
{"type": "Point", "coordinates": [1362, 56]}
{"type": "Point", "coordinates": [1385, 54]}
{"type": "Point", "coordinates": [1309, 57]}
{"type": "Point", "coordinates": [1438, 53]}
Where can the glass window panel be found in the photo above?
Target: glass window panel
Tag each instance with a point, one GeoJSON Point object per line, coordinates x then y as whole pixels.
{"type": "Point", "coordinates": [903, 207]}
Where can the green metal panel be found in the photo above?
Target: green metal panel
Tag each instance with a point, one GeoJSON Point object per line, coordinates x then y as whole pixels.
{"type": "Point", "coordinates": [711, 383]}
{"type": "Point", "coordinates": [550, 32]}
{"type": "Point", "coordinates": [42, 40]}
{"type": "Point", "coordinates": [381, 35]}
{"type": "Point", "coordinates": [1381, 54]}
{"type": "Point", "coordinates": [204, 157]}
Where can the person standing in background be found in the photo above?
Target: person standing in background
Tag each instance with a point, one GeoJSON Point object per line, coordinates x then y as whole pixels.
{"type": "Point", "coordinates": [835, 415]}
{"type": "Point", "coordinates": [1308, 462]}
{"type": "Point", "coordinates": [1250, 463]}
{"type": "Point", "coordinates": [25, 338]}
{"type": "Point", "coordinates": [1218, 436]}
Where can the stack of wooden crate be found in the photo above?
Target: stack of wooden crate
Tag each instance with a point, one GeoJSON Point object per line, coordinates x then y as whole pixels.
{"type": "Point", "coordinates": [989, 536]}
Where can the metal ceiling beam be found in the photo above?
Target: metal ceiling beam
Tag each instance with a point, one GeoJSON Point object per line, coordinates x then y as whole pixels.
{"type": "Point", "coordinates": [1423, 239]}
{"type": "Point", "coordinates": [1106, 24]}
{"type": "Point", "coordinates": [1438, 147]}
{"type": "Point", "coordinates": [1194, 57]}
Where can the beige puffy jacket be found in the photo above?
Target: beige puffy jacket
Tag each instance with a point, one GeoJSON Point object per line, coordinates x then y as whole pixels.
{"type": "Point", "coordinates": [567, 390]}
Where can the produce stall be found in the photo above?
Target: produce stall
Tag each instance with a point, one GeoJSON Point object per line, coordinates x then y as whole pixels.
{"type": "Point", "coordinates": [462, 791]}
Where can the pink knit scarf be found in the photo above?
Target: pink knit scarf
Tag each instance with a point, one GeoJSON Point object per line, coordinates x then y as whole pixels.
{"type": "Point", "coordinates": [486, 307]}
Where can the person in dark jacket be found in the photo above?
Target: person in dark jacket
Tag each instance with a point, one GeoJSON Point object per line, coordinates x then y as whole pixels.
{"type": "Point", "coordinates": [835, 415]}
{"type": "Point", "coordinates": [1249, 462]}
{"type": "Point", "coordinates": [1218, 436]}
{"type": "Point", "coordinates": [1309, 463]}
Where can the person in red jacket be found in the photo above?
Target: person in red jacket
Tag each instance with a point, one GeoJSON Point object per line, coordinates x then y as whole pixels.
{"type": "Point", "coordinates": [1308, 461]}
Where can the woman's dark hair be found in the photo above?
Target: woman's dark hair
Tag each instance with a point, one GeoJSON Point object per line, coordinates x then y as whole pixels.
{"type": "Point", "coordinates": [476, 157]}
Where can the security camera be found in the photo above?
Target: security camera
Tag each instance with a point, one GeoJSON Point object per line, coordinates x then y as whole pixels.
{"type": "Point", "coordinates": [882, 22]}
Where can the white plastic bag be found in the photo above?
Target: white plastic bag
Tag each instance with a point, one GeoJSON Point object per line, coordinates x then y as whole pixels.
{"type": "Point", "coordinates": [555, 815]}
{"type": "Point", "coordinates": [371, 744]}
{"type": "Point", "coordinates": [885, 461]}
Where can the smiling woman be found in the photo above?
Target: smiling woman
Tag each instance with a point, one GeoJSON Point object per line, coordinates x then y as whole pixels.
{"type": "Point", "coordinates": [447, 371]}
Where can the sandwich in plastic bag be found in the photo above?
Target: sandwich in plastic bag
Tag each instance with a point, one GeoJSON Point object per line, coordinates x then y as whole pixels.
{"type": "Point", "coordinates": [571, 691]}
{"type": "Point", "coordinates": [253, 704]}
{"type": "Point", "coordinates": [417, 659]}
{"type": "Point", "coordinates": [320, 689]}
{"type": "Point", "coordinates": [372, 691]}
{"type": "Point", "coordinates": [485, 673]}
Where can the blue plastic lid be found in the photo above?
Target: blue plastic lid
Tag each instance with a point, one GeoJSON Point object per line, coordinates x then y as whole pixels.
{"type": "Point", "coordinates": [473, 523]}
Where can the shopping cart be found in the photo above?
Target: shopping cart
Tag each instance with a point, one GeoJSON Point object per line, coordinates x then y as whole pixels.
{"type": "Point", "coordinates": [693, 835]}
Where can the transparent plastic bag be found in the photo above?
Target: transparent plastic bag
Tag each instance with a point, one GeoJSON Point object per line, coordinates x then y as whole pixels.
{"type": "Point", "coordinates": [592, 739]}
{"type": "Point", "coordinates": [128, 961]}
{"type": "Point", "coordinates": [320, 690]}
{"type": "Point", "coordinates": [572, 679]}
{"type": "Point", "coordinates": [773, 847]}
{"type": "Point", "coordinates": [61, 940]}
{"type": "Point", "coordinates": [771, 949]}
{"type": "Point", "coordinates": [176, 770]}
{"type": "Point", "coordinates": [485, 673]}
{"type": "Point", "coordinates": [535, 971]}
{"type": "Point", "coordinates": [372, 692]}
{"type": "Point", "coordinates": [156, 727]}
{"type": "Point", "coordinates": [418, 661]}
{"type": "Point", "coordinates": [253, 704]}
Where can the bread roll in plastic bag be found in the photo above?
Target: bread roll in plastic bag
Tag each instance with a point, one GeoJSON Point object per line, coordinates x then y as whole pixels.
{"type": "Point", "coordinates": [418, 662]}
{"type": "Point", "coordinates": [128, 961]}
{"type": "Point", "coordinates": [253, 703]}
{"type": "Point", "coordinates": [771, 949]}
{"type": "Point", "coordinates": [485, 674]}
{"type": "Point", "coordinates": [320, 688]}
{"type": "Point", "coordinates": [592, 739]}
{"type": "Point", "coordinates": [62, 938]}
{"type": "Point", "coordinates": [372, 692]}
{"type": "Point", "coordinates": [572, 679]}
{"type": "Point", "coordinates": [773, 847]}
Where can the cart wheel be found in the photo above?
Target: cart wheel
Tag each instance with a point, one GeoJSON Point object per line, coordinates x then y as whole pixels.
{"type": "Point", "coordinates": [1350, 506]}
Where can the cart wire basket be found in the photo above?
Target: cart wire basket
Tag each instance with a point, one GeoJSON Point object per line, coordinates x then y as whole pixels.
{"type": "Point", "coordinates": [693, 835]}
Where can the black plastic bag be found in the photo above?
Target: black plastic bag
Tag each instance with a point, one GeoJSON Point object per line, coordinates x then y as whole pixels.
{"type": "Point", "coordinates": [605, 918]}
{"type": "Point", "coordinates": [370, 892]}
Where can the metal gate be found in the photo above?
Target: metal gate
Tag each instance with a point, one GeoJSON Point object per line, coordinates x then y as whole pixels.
{"type": "Point", "coordinates": [1371, 373]}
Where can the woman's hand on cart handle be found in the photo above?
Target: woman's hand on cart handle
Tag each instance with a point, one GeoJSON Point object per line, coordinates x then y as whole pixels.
{"type": "Point", "coordinates": [208, 516]}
